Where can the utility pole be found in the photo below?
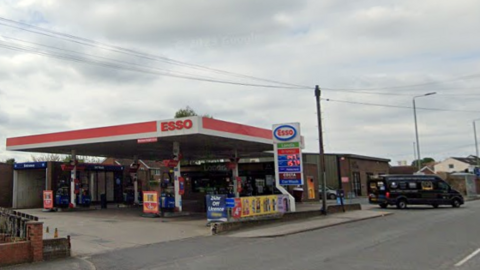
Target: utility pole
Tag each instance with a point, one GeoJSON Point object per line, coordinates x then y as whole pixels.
{"type": "Point", "coordinates": [322, 152]}
{"type": "Point", "coordinates": [476, 144]}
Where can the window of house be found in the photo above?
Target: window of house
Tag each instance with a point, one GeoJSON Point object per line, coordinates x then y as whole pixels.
{"type": "Point", "coordinates": [156, 172]}
{"type": "Point", "coordinates": [451, 166]}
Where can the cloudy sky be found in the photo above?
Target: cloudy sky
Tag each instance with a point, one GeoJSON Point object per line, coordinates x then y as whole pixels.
{"type": "Point", "coordinates": [79, 64]}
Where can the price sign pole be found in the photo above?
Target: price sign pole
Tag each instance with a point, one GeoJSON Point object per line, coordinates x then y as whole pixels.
{"type": "Point", "coordinates": [288, 158]}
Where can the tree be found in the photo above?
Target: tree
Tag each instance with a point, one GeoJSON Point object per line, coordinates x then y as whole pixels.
{"type": "Point", "coordinates": [10, 161]}
{"type": "Point", "coordinates": [47, 157]}
{"type": "Point", "coordinates": [189, 112]}
{"type": "Point", "coordinates": [185, 112]}
{"type": "Point", "coordinates": [423, 162]}
{"type": "Point", "coordinates": [65, 158]}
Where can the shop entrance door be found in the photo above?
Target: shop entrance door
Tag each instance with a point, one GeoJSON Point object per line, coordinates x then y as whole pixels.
{"type": "Point", "coordinates": [357, 185]}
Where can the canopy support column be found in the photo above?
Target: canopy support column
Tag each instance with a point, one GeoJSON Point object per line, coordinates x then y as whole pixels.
{"type": "Point", "coordinates": [177, 174]}
{"type": "Point", "coordinates": [73, 176]}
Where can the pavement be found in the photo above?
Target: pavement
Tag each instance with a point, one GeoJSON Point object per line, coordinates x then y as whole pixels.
{"type": "Point", "coordinates": [104, 230]}
{"type": "Point", "coordinates": [310, 224]}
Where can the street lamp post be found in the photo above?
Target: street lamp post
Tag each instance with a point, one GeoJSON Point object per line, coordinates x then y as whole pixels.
{"type": "Point", "coordinates": [476, 143]}
{"type": "Point", "coordinates": [416, 127]}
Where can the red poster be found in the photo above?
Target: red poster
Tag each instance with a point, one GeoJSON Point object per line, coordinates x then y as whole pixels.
{"type": "Point", "coordinates": [150, 202]}
{"type": "Point", "coordinates": [239, 184]}
{"type": "Point", "coordinates": [181, 185]}
{"type": "Point", "coordinates": [237, 209]}
{"type": "Point", "coordinates": [47, 199]}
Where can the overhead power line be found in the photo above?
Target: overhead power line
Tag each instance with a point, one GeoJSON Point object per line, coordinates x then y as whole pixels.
{"type": "Point", "coordinates": [131, 52]}
{"type": "Point", "coordinates": [140, 69]}
{"type": "Point", "coordinates": [396, 106]}
{"type": "Point", "coordinates": [476, 75]}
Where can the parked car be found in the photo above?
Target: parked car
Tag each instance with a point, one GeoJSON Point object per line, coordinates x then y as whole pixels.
{"type": "Point", "coordinates": [402, 190]}
{"type": "Point", "coordinates": [331, 193]}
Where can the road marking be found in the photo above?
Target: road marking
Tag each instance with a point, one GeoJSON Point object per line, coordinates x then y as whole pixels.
{"type": "Point", "coordinates": [468, 258]}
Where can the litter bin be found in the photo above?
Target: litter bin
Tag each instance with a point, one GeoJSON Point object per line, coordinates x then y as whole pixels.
{"type": "Point", "coordinates": [103, 201]}
{"type": "Point", "coordinates": [298, 194]}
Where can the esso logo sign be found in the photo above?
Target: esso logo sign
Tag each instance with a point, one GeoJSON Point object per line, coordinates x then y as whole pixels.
{"type": "Point", "coordinates": [285, 133]}
{"type": "Point", "coordinates": [176, 125]}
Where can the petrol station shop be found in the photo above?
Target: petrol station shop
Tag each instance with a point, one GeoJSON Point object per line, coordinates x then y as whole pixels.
{"type": "Point", "coordinates": [195, 156]}
{"type": "Point", "coordinates": [173, 142]}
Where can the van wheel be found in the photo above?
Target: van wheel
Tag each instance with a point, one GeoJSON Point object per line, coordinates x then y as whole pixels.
{"type": "Point", "coordinates": [332, 196]}
{"type": "Point", "coordinates": [456, 203]}
{"type": "Point", "coordinates": [383, 205]}
{"type": "Point", "coordinates": [435, 205]}
{"type": "Point", "coordinates": [402, 204]}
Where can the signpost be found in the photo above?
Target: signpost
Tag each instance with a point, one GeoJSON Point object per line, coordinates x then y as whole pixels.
{"type": "Point", "coordinates": [150, 203]}
{"type": "Point", "coordinates": [48, 200]}
{"type": "Point", "coordinates": [288, 157]}
{"type": "Point", "coordinates": [216, 208]}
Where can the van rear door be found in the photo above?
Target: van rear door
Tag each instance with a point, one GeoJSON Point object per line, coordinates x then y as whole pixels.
{"type": "Point", "coordinates": [377, 190]}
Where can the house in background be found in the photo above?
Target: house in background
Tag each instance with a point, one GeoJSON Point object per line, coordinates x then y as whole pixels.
{"type": "Point", "coordinates": [427, 169]}
{"type": "Point", "coordinates": [457, 164]}
{"type": "Point", "coordinates": [402, 170]}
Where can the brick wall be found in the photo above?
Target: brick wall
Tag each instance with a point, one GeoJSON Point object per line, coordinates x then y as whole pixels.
{"type": "Point", "coordinates": [6, 185]}
{"type": "Point", "coordinates": [15, 253]}
{"type": "Point", "coordinates": [35, 236]}
{"type": "Point", "coordinates": [56, 248]}
{"type": "Point", "coordinates": [26, 251]}
{"type": "Point", "coordinates": [362, 167]}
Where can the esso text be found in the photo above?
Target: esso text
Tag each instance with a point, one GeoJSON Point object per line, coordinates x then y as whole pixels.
{"type": "Point", "coordinates": [176, 125]}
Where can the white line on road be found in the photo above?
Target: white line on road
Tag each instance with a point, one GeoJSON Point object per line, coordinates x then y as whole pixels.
{"type": "Point", "coordinates": [468, 258]}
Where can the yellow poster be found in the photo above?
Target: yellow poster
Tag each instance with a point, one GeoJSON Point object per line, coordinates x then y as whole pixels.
{"type": "Point", "coordinates": [260, 205]}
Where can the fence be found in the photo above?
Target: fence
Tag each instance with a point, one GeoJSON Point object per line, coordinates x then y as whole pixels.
{"type": "Point", "coordinates": [13, 225]}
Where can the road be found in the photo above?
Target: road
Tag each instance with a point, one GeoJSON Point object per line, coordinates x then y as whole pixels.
{"type": "Point", "coordinates": [416, 238]}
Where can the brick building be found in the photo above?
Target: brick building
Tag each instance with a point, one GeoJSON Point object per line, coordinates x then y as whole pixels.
{"type": "Point", "coordinates": [347, 171]}
{"type": "Point", "coordinates": [6, 184]}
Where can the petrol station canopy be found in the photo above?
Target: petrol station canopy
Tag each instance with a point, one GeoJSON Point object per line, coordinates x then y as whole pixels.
{"type": "Point", "coordinates": [199, 137]}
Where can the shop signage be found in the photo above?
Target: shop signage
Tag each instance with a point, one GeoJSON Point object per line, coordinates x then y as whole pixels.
{"type": "Point", "coordinates": [285, 132]}
{"type": "Point", "coordinates": [259, 205]}
{"type": "Point", "coordinates": [30, 165]}
{"type": "Point", "coordinates": [216, 208]}
{"type": "Point", "coordinates": [230, 202]}
{"type": "Point", "coordinates": [47, 199]}
{"type": "Point", "coordinates": [181, 185]}
{"type": "Point", "coordinates": [238, 179]}
{"type": "Point", "coordinates": [150, 202]}
{"type": "Point", "coordinates": [288, 154]}
{"type": "Point", "coordinates": [283, 202]}
{"type": "Point", "coordinates": [237, 209]}
{"type": "Point", "coordinates": [147, 140]}
{"type": "Point", "coordinates": [216, 168]}
{"type": "Point", "coordinates": [68, 167]}
{"type": "Point", "coordinates": [176, 125]}
{"type": "Point", "coordinates": [171, 163]}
